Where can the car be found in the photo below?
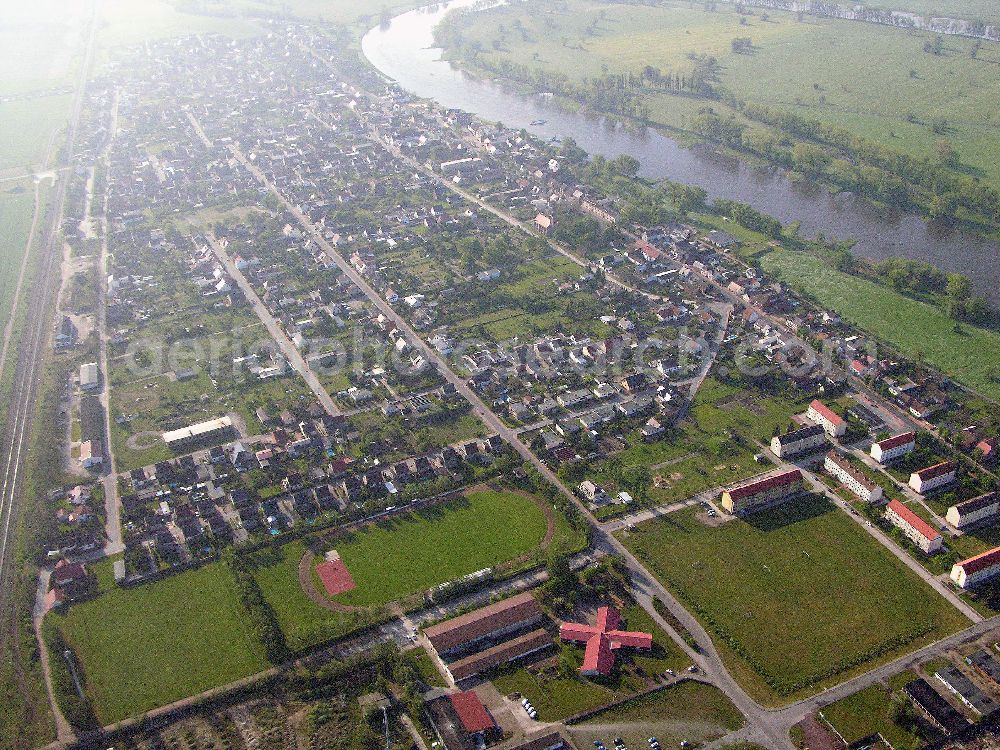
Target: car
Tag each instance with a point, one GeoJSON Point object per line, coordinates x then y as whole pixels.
{"type": "Point", "coordinates": [693, 668]}
{"type": "Point", "coordinates": [653, 741]}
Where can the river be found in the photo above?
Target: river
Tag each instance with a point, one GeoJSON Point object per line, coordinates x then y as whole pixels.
{"type": "Point", "coordinates": [403, 50]}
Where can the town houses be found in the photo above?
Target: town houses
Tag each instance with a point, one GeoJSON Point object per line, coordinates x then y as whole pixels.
{"type": "Point", "coordinates": [893, 447]}
{"type": "Point", "coordinates": [798, 442]}
{"type": "Point", "coordinates": [849, 475]}
{"type": "Point", "coordinates": [922, 534]}
{"type": "Point", "coordinates": [834, 424]}
{"type": "Point", "coordinates": [762, 491]}
{"type": "Point", "coordinates": [934, 477]}
{"type": "Point", "coordinates": [976, 570]}
{"type": "Point", "coordinates": [976, 511]}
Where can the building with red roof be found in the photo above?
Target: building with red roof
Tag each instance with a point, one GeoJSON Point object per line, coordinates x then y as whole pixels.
{"type": "Point", "coordinates": [471, 712]}
{"type": "Point", "coordinates": [916, 529]}
{"type": "Point", "coordinates": [602, 640]}
{"type": "Point", "coordinates": [764, 489]}
{"type": "Point", "coordinates": [893, 447]}
{"type": "Point", "coordinates": [72, 582]}
{"type": "Point", "coordinates": [932, 477]}
{"type": "Point", "coordinates": [822, 414]}
{"type": "Point", "coordinates": [976, 570]}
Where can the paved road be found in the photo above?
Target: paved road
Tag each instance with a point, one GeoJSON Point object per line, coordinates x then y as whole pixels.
{"type": "Point", "coordinates": [646, 586]}
{"type": "Point", "coordinates": [114, 542]}
{"type": "Point", "coordinates": [287, 347]}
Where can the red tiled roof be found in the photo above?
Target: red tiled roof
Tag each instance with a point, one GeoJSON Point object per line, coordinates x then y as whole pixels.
{"type": "Point", "coordinates": [480, 623]}
{"type": "Point", "coordinates": [774, 480]}
{"type": "Point", "coordinates": [602, 640]}
{"type": "Point", "coordinates": [981, 561]}
{"type": "Point", "coordinates": [471, 712]}
{"type": "Point", "coordinates": [500, 654]}
{"type": "Point", "coordinates": [937, 470]}
{"type": "Point", "coordinates": [65, 572]}
{"type": "Point", "coordinates": [897, 440]}
{"type": "Point", "coordinates": [923, 528]}
{"type": "Point", "coordinates": [826, 412]}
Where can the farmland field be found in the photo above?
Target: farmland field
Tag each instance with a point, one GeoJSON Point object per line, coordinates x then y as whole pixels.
{"type": "Point", "coordinates": [874, 80]}
{"type": "Point", "coordinates": [790, 610]}
{"type": "Point", "coordinates": [148, 646]}
{"type": "Point", "coordinates": [409, 554]}
{"type": "Point", "coordinates": [911, 326]}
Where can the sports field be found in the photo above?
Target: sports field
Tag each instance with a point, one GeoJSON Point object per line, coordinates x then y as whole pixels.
{"type": "Point", "coordinates": [148, 646]}
{"type": "Point", "coordinates": [915, 328]}
{"type": "Point", "coordinates": [415, 552]}
{"type": "Point", "coordinates": [796, 597]}
{"type": "Point", "coordinates": [303, 622]}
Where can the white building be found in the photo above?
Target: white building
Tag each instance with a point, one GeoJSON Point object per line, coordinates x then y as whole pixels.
{"type": "Point", "coordinates": [932, 477]}
{"type": "Point", "coordinates": [832, 422]}
{"type": "Point", "coordinates": [893, 447]}
{"type": "Point", "coordinates": [89, 378]}
{"type": "Point", "coordinates": [974, 511]}
{"type": "Point", "coordinates": [976, 570]}
{"type": "Point", "coordinates": [853, 478]}
{"type": "Point", "coordinates": [797, 442]}
{"type": "Point", "coordinates": [916, 529]}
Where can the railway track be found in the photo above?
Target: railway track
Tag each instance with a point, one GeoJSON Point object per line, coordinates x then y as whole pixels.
{"type": "Point", "coordinates": [16, 438]}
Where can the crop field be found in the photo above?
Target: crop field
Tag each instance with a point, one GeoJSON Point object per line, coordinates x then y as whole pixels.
{"type": "Point", "coordinates": [913, 327]}
{"type": "Point", "coordinates": [148, 646]}
{"type": "Point", "coordinates": [687, 711]}
{"type": "Point", "coordinates": [790, 611]}
{"type": "Point", "coordinates": [406, 555]}
{"type": "Point", "coordinates": [875, 80]}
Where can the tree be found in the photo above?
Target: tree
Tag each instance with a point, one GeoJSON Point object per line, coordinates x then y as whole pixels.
{"type": "Point", "coordinates": [625, 165]}
{"type": "Point", "coordinates": [946, 153]}
{"type": "Point", "coordinates": [809, 158]}
{"type": "Point", "coordinates": [957, 292]}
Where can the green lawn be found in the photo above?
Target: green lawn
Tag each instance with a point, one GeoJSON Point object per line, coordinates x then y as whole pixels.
{"type": "Point", "coordinates": [409, 554]}
{"type": "Point", "coordinates": [687, 711]}
{"type": "Point", "coordinates": [796, 597]}
{"type": "Point", "coordinates": [16, 211]}
{"type": "Point", "coordinates": [865, 713]}
{"type": "Point", "coordinates": [874, 80]}
{"type": "Point", "coordinates": [148, 646]}
{"type": "Point", "coordinates": [555, 698]}
{"type": "Point", "coordinates": [912, 327]}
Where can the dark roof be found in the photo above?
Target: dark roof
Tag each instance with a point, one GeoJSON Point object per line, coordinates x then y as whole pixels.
{"type": "Point", "coordinates": [803, 433]}
{"type": "Point", "coordinates": [937, 470]}
{"type": "Point", "coordinates": [950, 720]}
{"type": "Point", "coordinates": [984, 662]}
{"type": "Point", "coordinates": [478, 624]}
{"type": "Point", "coordinates": [761, 484]}
{"type": "Point", "coordinates": [500, 654]}
{"type": "Point", "coordinates": [977, 503]}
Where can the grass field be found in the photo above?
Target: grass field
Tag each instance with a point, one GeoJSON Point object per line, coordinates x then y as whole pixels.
{"type": "Point", "coordinates": [852, 74]}
{"type": "Point", "coordinates": [790, 609]}
{"type": "Point", "coordinates": [144, 647]}
{"type": "Point", "coordinates": [915, 328]}
{"type": "Point", "coordinates": [303, 622]}
{"type": "Point", "coordinates": [688, 711]}
{"type": "Point", "coordinates": [412, 553]}
{"type": "Point", "coordinates": [16, 211]}
{"type": "Point", "coordinates": [867, 712]}
{"type": "Point", "coordinates": [702, 455]}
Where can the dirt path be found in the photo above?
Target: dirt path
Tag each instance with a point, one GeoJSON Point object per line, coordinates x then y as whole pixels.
{"type": "Point", "coordinates": [309, 586]}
